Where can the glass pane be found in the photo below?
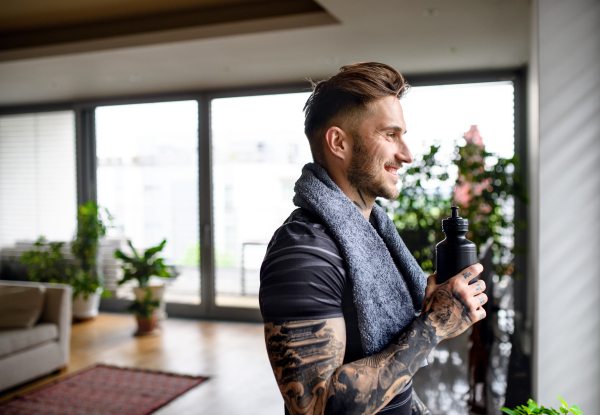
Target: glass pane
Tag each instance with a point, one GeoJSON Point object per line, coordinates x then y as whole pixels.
{"type": "Point", "coordinates": [148, 180]}
{"type": "Point", "coordinates": [259, 148]}
{"type": "Point", "coordinates": [445, 115]}
{"type": "Point", "coordinates": [38, 193]}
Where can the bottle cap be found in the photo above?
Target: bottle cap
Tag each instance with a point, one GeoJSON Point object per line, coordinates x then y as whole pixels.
{"type": "Point", "coordinates": [455, 223]}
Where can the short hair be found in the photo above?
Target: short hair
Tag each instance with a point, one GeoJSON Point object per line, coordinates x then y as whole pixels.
{"type": "Point", "coordinates": [344, 98]}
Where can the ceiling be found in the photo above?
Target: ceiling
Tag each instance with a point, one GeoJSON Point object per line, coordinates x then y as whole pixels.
{"type": "Point", "coordinates": [234, 43]}
{"type": "Point", "coordinates": [36, 14]}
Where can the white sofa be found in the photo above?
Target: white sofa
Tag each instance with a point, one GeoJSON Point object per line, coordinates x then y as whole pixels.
{"type": "Point", "coordinates": [35, 330]}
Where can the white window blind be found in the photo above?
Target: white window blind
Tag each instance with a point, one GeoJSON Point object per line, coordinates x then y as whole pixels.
{"type": "Point", "coordinates": [38, 194]}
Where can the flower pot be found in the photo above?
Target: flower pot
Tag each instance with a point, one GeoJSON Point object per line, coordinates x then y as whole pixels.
{"type": "Point", "coordinates": [86, 309]}
{"type": "Point", "coordinates": [146, 326]}
{"type": "Point", "coordinates": [157, 294]}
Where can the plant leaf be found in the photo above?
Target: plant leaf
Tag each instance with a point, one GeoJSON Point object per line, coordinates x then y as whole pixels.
{"type": "Point", "coordinates": [509, 411]}
{"type": "Point", "coordinates": [531, 404]}
{"type": "Point", "coordinates": [575, 409]}
{"type": "Point", "coordinates": [561, 400]}
{"type": "Point", "coordinates": [152, 251]}
{"type": "Point", "coordinates": [133, 249]}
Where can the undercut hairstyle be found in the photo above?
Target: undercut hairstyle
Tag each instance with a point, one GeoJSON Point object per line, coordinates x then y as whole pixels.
{"type": "Point", "coordinates": [343, 100]}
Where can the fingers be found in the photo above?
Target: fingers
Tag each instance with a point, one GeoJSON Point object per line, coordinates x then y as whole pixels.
{"type": "Point", "coordinates": [471, 272]}
{"type": "Point", "coordinates": [478, 315]}
{"type": "Point", "coordinates": [476, 288]}
{"type": "Point", "coordinates": [429, 290]}
{"type": "Point", "coordinates": [431, 279]}
{"type": "Point", "coordinates": [476, 310]}
{"type": "Point", "coordinates": [478, 301]}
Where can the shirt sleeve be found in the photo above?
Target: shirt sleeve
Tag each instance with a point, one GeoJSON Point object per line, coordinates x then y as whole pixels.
{"type": "Point", "coordinates": [302, 276]}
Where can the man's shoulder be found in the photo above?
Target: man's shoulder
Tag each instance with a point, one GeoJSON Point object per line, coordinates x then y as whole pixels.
{"type": "Point", "coordinates": [303, 229]}
{"type": "Point", "coordinates": [302, 222]}
{"type": "Point", "coordinates": [304, 217]}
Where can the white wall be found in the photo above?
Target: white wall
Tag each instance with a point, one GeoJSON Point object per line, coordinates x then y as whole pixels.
{"type": "Point", "coordinates": [568, 303]}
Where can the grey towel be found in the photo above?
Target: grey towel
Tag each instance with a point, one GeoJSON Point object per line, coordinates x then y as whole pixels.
{"type": "Point", "coordinates": [386, 298]}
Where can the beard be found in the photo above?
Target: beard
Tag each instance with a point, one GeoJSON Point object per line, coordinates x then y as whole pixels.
{"type": "Point", "coordinates": [366, 172]}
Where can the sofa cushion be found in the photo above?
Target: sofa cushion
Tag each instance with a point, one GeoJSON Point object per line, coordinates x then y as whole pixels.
{"type": "Point", "coordinates": [16, 340]}
{"type": "Point", "coordinates": [20, 306]}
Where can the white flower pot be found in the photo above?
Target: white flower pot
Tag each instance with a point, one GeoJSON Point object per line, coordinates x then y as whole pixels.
{"type": "Point", "coordinates": [86, 309]}
{"type": "Point", "coordinates": [157, 294]}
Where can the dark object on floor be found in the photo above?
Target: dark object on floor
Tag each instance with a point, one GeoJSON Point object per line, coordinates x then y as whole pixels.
{"type": "Point", "coordinates": [104, 390]}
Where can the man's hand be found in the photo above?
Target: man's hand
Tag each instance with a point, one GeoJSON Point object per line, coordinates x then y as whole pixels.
{"type": "Point", "coordinates": [452, 307]}
{"type": "Point", "coordinates": [429, 290]}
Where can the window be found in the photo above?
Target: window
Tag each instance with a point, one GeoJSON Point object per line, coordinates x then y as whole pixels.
{"type": "Point", "coordinates": [147, 173]}
{"type": "Point", "coordinates": [258, 149]}
{"type": "Point", "coordinates": [38, 192]}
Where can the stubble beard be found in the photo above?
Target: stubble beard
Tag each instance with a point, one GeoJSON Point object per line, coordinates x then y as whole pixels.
{"type": "Point", "coordinates": [364, 172]}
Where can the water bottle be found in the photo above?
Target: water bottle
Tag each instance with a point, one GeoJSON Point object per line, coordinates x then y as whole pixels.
{"type": "Point", "coordinates": [456, 252]}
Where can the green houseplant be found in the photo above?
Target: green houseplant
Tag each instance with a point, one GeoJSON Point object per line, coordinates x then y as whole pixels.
{"type": "Point", "coordinates": [482, 192]}
{"type": "Point", "coordinates": [46, 262]}
{"type": "Point", "coordinates": [142, 267]}
{"type": "Point", "coordinates": [85, 279]}
{"type": "Point", "coordinates": [533, 408]}
{"type": "Point", "coordinates": [486, 188]}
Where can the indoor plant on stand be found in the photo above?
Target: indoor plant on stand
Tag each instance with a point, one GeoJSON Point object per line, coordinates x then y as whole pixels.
{"type": "Point", "coordinates": [145, 314]}
{"type": "Point", "coordinates": [85, 278]}
{"type": "Point", "coordinates": [141, 268]}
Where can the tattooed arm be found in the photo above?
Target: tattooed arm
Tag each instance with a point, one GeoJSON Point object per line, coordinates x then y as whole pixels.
{"type": "Point", "coordinates": [417, 407]}
{"type": "Point", "coordinates": [307, 355]}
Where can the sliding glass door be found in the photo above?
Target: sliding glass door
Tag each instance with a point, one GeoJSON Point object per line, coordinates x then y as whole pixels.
{"type": "Point", "coordinates": [258, 150]}
{"type": "Point", "coordinates": [147, 178]}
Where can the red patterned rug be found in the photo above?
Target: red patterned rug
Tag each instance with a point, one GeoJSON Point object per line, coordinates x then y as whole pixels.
{"type": "Point", "coordinates": [104, 390]}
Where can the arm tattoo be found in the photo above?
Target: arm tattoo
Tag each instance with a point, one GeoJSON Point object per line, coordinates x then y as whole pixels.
{"type": "Point", "coordinates": [306, 357]}
{"type": "Point", "coordinates": [418, 407]}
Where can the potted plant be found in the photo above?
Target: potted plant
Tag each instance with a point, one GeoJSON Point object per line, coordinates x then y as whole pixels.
{"type": "Point", "coordinates": [46, 262]}
{"type": "Point", "coordinates": [533, 408]}
{"type": "Point", "coordinates": [141, 268]}
{"type": "Point", "coordinates": [85, 279]}
{"type": "Point", "coordinates": [145, 314]}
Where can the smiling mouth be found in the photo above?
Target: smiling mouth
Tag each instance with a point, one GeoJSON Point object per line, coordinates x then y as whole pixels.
{"type": "Point", "coordinates": [392, 169]}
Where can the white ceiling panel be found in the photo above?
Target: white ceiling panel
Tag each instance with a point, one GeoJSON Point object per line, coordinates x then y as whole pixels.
{"type": "Point", "coordinates": [415, 36]}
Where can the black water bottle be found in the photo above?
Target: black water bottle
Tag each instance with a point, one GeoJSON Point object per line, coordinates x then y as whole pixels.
{"type": "Point", "coordinates": [456, 252]}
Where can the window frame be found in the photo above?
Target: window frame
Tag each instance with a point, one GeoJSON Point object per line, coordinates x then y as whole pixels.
{"type": "Point", "coordinates": [86, 168]}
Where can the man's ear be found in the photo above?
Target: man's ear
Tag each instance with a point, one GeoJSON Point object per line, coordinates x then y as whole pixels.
{"type": "Point", "coordinates": [338, 143]}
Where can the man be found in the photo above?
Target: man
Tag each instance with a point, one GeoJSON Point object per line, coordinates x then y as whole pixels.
{"type": "Point", "coordinates": [340, 292]}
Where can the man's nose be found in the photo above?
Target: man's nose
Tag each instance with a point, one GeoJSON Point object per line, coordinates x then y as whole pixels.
{"type": "Point", "coordinates": [404, 154]}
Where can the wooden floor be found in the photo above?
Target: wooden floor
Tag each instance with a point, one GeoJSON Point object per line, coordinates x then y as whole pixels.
{"type": "Point", "coordinates": [232, 355]}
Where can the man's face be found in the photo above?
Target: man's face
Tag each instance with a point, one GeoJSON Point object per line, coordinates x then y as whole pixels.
{"type": "Point", "coordinates": [379, 150]}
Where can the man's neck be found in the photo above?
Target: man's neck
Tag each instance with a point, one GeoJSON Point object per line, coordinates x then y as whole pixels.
{"type": "Point", "coordinates": [362, 201]}
{"type": "Point", "coordinates": [364, 204]}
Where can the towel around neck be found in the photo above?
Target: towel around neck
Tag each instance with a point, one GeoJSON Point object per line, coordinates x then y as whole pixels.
{"type": "Point", "coordinates": [388, 284]}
